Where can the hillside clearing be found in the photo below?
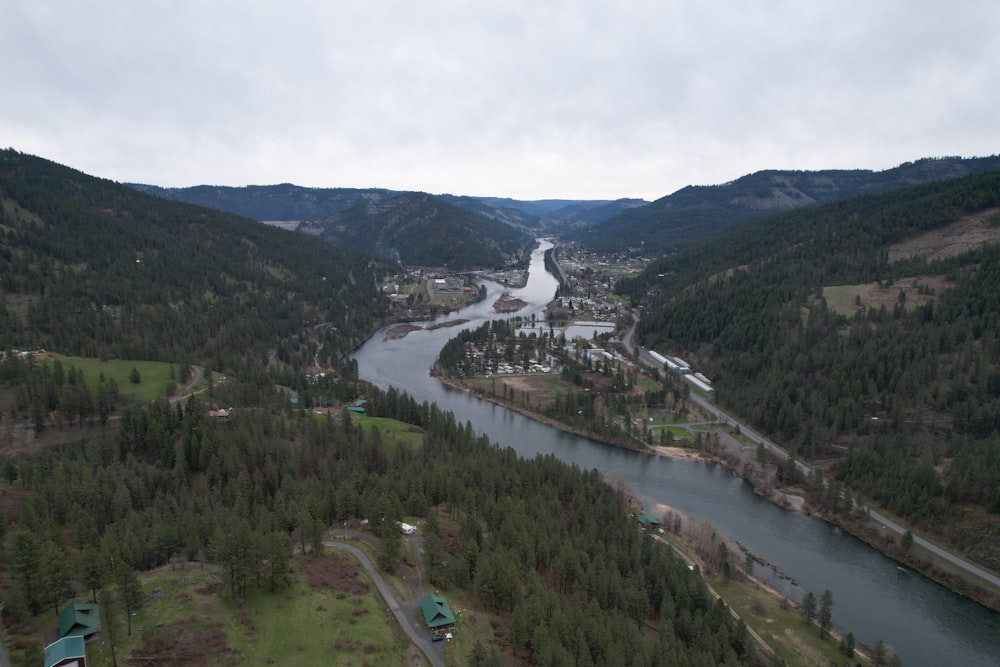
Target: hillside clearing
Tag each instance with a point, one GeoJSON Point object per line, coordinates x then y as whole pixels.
{"type": "Point", "coordinates": [965, 234]}
{"type": "Point", "coordinates": [848, 300]}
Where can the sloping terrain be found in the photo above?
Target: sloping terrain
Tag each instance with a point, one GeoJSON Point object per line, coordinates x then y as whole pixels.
{"type": "Point", "coordinates": [92, 267]}
{"type": "Point", "coordinates": [295, 204]}
{"type": "Point", "coordinates": [965, 234]}
{"type": "Point", "coordinates": [697, 213]}
{"type": "Point", "coordinates": [898, 380]}
{"type": "Point", "coordinates": [423, 230]}
{"type": "Point", "coordinates": [273, 202]}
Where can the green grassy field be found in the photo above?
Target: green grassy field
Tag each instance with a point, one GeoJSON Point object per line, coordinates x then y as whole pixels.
{"type": "Point", "coordinates": [155, 376]}
{"type": "Point", "coordinates": [303, 624]}
{"type": "Point", "coordinates": [676, 431]}
{"type": "Point", "coordinates": [647, 383]}
{"type": "Point", "coordinates": [394, 433]}
{"type": "Point", "coordinates": [781, 626]}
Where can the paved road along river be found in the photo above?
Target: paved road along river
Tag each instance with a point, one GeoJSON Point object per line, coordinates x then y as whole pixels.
{"type": "Point", "coordinates": [923, 622]}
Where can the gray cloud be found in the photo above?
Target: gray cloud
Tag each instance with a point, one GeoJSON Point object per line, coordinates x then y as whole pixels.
{"type": "Point", "coordinates": [523, 99]}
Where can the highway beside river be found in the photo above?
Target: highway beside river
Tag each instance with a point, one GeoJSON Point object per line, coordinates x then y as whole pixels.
{"type": "Point", "coordinates": [923, 622]}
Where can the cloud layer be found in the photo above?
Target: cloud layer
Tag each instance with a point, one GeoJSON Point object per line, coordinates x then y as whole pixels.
{"type": "Point", "coordinates": [523, 99]}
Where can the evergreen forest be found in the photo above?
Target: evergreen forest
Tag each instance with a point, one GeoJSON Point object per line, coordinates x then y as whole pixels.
{"type": "Point", "coordinates": [91, 268]}
{"type": "Point", "coordinates": [898, 383]}
{"type": "Point", "coordinates": [549, 547]}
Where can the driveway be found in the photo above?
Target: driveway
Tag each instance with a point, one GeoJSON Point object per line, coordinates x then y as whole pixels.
{"type": "Point", "coordinates": [404, 612]}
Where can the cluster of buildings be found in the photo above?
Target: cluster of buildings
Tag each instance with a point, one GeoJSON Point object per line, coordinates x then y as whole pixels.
{"type": "Point", "coordinates": [590, 307]}
{"type": "Point", "coordinates": [23, 354]}
{"type": "Point", "coordinates": [507, 368]}
{"type": "Point", "coordinates": [678, 365]}
{"type": "Point", "coordinates": [449, 284]}
{"type": "Point", "coordinates": [78, 622]}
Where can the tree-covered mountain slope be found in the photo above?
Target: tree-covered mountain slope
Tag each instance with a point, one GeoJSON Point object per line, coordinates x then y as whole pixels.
{"type": "Point", "coordinates": [424, 230]}
{"type": "Point", "coordinates": [273, 202]}
{"type": "Point", "coordinates": [547, 216]}
{"type": "Point", "coordinates": [863, 330]}
{"type": "Point", "coordinates": [698, 213]}
{"type": "Point", "coordinates": [92, 267]}
{"type": "Point", "coordinates": [293, 203]}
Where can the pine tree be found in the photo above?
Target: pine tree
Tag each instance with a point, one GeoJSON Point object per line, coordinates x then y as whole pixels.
{"type": "Point", "coordinates": [809, 607]}
{"type": "Point", "coordinates": [825, 613]}
{"type": "Point", "coordinates": [129, 590]}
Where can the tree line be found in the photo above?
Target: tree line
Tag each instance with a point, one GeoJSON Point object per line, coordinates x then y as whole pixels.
{"type": "Point", "coordinates": [93, 268]}
{"type": "Point", "coordinates": [549, 545]}
{"type": "Point", "coordinates": [907, 395]}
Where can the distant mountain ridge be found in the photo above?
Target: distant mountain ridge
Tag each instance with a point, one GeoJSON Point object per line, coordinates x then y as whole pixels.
{"type": "Point", "coordinates": [272, 202]}
{"type": "Point", "coordinates": [697, 213]}
{"type": "Point", "coordinates": [287, 202]}
{"type": "Point", "coordinates": [424, 230]}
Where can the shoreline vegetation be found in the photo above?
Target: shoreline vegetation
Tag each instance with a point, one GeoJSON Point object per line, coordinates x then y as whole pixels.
{"type": "Point", "coordinates": [402, 330]}
{"type": "Point", "coordinates": [791, 498]}
{"type": "Point", "coordinates": [697, 542]}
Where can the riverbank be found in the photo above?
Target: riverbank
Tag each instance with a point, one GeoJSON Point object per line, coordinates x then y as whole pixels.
{"type": "Point", "coordinates": [766, 486]}
{"type": "Point", "coordinates": [773, 619]}
{"type": "Point", "coordinates": [672, 452]}
{"type": "Point", "coordinates": [777, 496]}
{"type": "Point", "coordinates": [925, 622]}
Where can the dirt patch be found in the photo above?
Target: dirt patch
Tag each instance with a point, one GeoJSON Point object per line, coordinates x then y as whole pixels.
{"type": "Point", "coordinates": [191, 643]}
{"type": "Point", "coordinates": [540, 388]}
{"type": "Point", "coordinates": [335, 573]}
{"type": "Point", "coordinates": [678, 453]}
{"type": "Point", "coordinates": [25, 442]}
{"type": "Point", "coordinates": [963, 235]}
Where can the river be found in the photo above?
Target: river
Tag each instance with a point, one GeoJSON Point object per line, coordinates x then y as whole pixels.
{"type": "Point", "coordinates": [923, 622]}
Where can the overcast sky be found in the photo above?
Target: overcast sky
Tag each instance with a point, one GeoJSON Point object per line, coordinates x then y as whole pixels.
{"type": "Point", "coordinates": [530, 99]}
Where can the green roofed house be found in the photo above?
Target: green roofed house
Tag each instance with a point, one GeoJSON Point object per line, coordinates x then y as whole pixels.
{"type": "Point", "coordinates": [648, 521]}
{"type": "Point", "coordinates": [67, 652]}
{"type": "Point", "coordinates": [437, 613]}
{"type": "Point", "coordinates": [81, 619]}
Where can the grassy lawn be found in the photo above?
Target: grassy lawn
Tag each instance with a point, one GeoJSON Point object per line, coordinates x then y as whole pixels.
{"type": "Point", "coordinates": [676, 431]}
{"type": "Point", "coordinates": [154, 376]}
{"type": "Point", "coordinates": [307, 626]}
{"type": "Point", "coordinates": [647, 383]}
{"type": "Point", "coordinates": [394, 434]}
{"type": "Point", "coordinates": [346, 623]}
{"type": "Point", "coordinates": [781, 626]}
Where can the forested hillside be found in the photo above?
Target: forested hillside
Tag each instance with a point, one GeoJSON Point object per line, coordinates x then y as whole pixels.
{"type": "Point", "coordinates": [272, 202]}
{"type": "Point", "coordinates": [287, 202]}
{"type": "Point", "coordinates": [423, 230]}
{"type": "Point", "coordinates": [91, 267]}
{"type": "Point", "coordinates": [698, 213]}
{"type": "Point", "coordinates": [547, 547]}
{"type": "Point", "coordinates": [547, 216]}
{"type": "Point", "coordinates": [863, 331]}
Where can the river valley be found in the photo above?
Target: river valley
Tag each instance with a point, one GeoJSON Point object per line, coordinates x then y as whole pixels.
{"type": "Point", "coordinates": [924, 623]}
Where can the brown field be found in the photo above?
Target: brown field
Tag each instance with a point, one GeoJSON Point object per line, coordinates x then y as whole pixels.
{"type": "Point", "coordinates": [968, 233]}
{"type": "Point", "coordinates": [849, 299]}
{"type": "Point", "coordinates": [541, 388]}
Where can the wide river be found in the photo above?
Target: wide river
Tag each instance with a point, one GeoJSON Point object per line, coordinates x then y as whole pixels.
{"type": "Point", "coordinates": [924, 623]}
